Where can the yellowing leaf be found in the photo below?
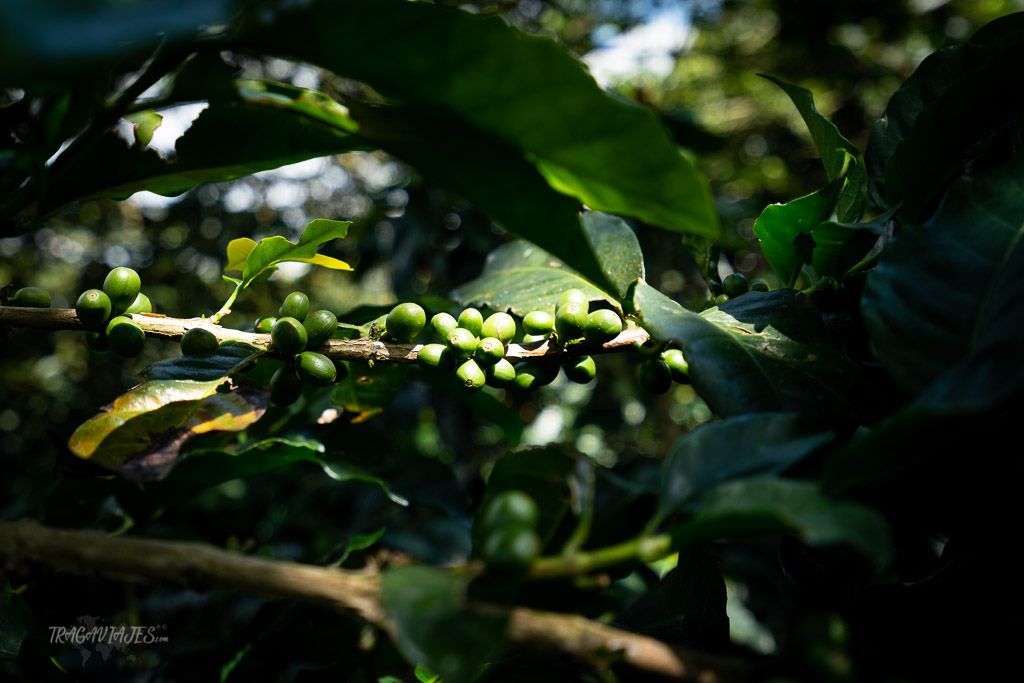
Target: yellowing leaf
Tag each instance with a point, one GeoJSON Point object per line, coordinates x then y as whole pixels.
{"type": "Point", "coordinates": [238, 251]}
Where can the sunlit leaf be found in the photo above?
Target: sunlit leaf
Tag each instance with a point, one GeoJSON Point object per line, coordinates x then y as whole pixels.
{"type": "Point", "coordinates": [238, 250]}
{"type": "Point", "coordinates": [145, 123]}
{"type": "Point", "coordinates": [141, 433]}
{"type": "Point", "coordinates": [273, 250]}
{"type": "Point", "coordinates": [611, 155]}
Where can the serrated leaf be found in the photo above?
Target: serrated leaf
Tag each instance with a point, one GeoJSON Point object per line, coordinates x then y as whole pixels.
{"type": "Point", "coordinates": [833, 148]}
{"type": "Point", "coordinates": [772, 505]}
{"type": "Point", "coordinates": [951, 291]}
{"type": "Point", "coordinates": [201, 368]}
{"type": "Point", "coordinates": [611, 155]}
{"type": "Point", "coordinates": [757, 353]}
{"type": "Point", "coordinates": [953, 100]}
{"type": "Point", "coordinates": [272, 250]}
{"type": "Point", "coordinates": [744, 446]}
{"type": "Point", "coordinates": [140, 433]}
{"type": "Point", "coordinates": [434, 624]}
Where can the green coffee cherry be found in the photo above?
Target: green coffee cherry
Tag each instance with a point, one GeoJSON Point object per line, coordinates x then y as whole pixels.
{"type": "Point", "coordinates": [93, 308]}
{"type": "Point", "coordinates": [735, 284]}
{"type": "Point", "coordinates": [655, 376]}
{"type": "Point", "coordinates": [573, 296]}
{"type": "Point", "coordinates": [721, 299]}
{"type": "Point", "coordinates": [97, 341]}
{"type": "Point", "coordinates": [265, 323]}
{"type": "Point", "coordinates": [442, 325]}
{"type": "Point", "coordinates": [435, 359]}
{"type": "Point", "coordinates": [534, 338]}
{"type": "Point", "coordinates": [471, 377]}
{"type": "Point", "coordinates": [489, 351]}
{"type": "Point", "coordinates": [677, 365]}
{"type": "Point", "coordinates": [759, 286]}
{"type": "Point", "coordinates": [315, 369]}
{"type": "Point", "coordinates": [511, 550]}
{"type": "Point", "coordinates": [500, 374]}
{"type": "Point", "coordinates": [122, 286]}
{"type": "Point", "coordinates": [198, 342]}
{"type": "Point", "coordinates": [462, 343]}
{"type": "Point", "coordinates": [602, 326]}
{"type": "Point", "coordinates": [511, 509]}
{"type": "Point", "coordinates": [289, 336]}
{"type": "Point", "coordinates": [501, 326]}
{"type": "Point", "coordinates": [285, 387]}
{"type": "Point", "coordinates": [405, 321]}
{"type": "Point", "coordinates": [31, 297]}
{"type": "Point", "coordinates": [581, 369]}
{"type": "Point", "coordinates": [538, 322]}
{"type": "Point", "coordinates": [570, 320]}
{"type": "Point", "coordinates": [142, 304]}
{"type": "Point", "coordinates": [296, 305]}
{"type": "Point", "coordinates": [125, 337]}
{"type": "Point", "coordinates": [472, 320]}
{"type": "Point", "coordinates": [534, 375]}
{"type": "Point", "coordinates": [320, 327]}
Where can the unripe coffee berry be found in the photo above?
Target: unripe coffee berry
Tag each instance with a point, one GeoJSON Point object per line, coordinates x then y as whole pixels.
{"type": "Point", "coordinates": [198, 342]}
{"type": "Point", "coordinates": [315, 369]}
{"type": "Point", "coordinates": [289, 336]}
{"type": "Point", "coordinates": [501, 326]}
{"type": "Point", "coordinates": [602, 326]}
{"type": "Point", "coordinates": [93, 308]}
{"type": "Point", "coordinates": [471, 376]}
{"type": "Point", "coordinates": [405, 321]}
{"type": "Point", "coordinates": [472, 320]}
{"type": "Point", "coordinates": [122, 286]}
{"type": "Point", "coordinates": [295, 305]}
{"type": "Point", "coordinates": [442, 325]}
{"type": "Point", "coordinates": [320, 327]}
{"type": "Point", "coordinates": [538, 322]}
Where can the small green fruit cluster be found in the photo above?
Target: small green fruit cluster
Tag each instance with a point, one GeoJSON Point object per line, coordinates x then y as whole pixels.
{"type": "Point", "coordinates": [106, 312]}
{"type": "Point", "coordinates": [508, 527]}
{"type": "Point", "coordinates": [735, 284]}
{"type": "Point", "coordinates": [472, 347]}
{"type": "Point", "coordinates": [292, 332]}
{"type": "Point", "coordinates": [657, 374]}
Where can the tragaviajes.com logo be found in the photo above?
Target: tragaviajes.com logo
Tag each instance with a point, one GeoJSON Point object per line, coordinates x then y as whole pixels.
{"type": "Point", "coordinates": [90, 635]}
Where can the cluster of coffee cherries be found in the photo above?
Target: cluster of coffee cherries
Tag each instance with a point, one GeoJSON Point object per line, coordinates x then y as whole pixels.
{"type": "Point", "coordinates": [104, 312]}
{"type": "Point", "coordinates": [474, 347]}
{"type": "Point", "coordinates": [508, 532]}
{"type": "Point", "coordinates": [293, 331]}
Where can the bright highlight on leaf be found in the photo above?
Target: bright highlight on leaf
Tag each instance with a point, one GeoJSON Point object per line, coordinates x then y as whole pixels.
{"type": "Point", "coordinates": [256, 258]}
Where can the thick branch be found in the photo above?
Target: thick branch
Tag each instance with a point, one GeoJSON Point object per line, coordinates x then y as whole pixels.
{"type": "Point", "coordinates": [363, 350]}
{"type": "Point", "coordinates": [199, 566]}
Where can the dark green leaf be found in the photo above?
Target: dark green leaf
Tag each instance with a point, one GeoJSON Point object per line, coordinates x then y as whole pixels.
{"type": "Point", "coordinates": [757, 353]}
{"type": "Point", "coordinates": [615, 246]}
{"type": "Point", "coordinates": [839, 247]}
{"type": "Point", "coordinates": [13, 629]}
{"type": "Point", "coordinates": [266, 125]}
{"type": "Point", "coordinates": [434, 624]}
{"type": "Point", "coordinates": [951, 290]}
{"type": "Point", "coordinates": [611, 155]}
{"type": "Point", "coordinates": [205, 468]}
{"type": "Point", "coordinates": [745, 446]}
{"type": "Point", "coordinates": [521, 277]}
{"type": "Point", "coordinates": [954, 100]}
{"type": "Point", "coordinates": [201, 368]}
{"type": "Point", "coordinates": [745, 507]}
{"type": "Point", "coordinates": [367, 390]}
{"type": "Point", "coordinates": [487, 172]}
{"type": "Point", "coordinates": [831, 146]}
{"type": "Point", "coordinates": [687, 607]}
